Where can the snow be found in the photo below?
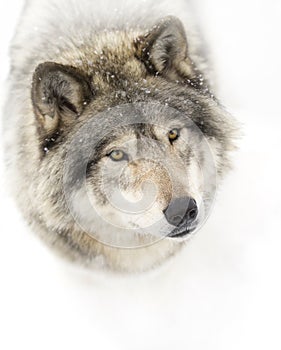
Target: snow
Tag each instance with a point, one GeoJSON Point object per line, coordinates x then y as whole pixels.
{"type": "Point", "coordinates": [223, 291]}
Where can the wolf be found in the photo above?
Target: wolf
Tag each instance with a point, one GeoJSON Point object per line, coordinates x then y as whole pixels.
{"type": "Point", "coordinates": [114, 140]}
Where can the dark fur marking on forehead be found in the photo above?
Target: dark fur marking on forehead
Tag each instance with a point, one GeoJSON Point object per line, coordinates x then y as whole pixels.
{"type": "Point", "coordinates": [146, 130]}
{"type": "Point", "coordinates": [140, 130]}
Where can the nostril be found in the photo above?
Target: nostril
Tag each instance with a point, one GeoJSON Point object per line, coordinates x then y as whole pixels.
{"type": "Point", "coordinates": [192, 211]}
{"type": "Point", "coordinates": [192, 214]}
{"type": "Point", "coordinates": [181, 210]}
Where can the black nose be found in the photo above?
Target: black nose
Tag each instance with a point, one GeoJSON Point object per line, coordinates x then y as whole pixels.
{"type": "Point", "coordinates": [181, 211]}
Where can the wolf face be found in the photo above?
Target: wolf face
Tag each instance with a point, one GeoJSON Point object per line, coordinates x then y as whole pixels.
{"type": "Point", "coordinates": [151, 173]}
{"type": "Point", "coordinates": [131, 144]}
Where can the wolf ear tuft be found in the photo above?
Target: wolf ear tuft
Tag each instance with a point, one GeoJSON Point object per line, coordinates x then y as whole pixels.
{"type": "Point", "coordinates": [164, 49]}
{"type": "Point", "coordinates": [59, 95]}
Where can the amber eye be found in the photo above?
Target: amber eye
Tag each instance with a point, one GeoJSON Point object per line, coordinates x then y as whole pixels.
{"type": "Point", "coordinates": [174, 135]}
{"type": "Point", "coordinates": [118, 156]}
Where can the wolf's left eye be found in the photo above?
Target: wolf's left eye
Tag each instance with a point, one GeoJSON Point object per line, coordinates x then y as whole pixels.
{"type": "Point", "coordinates": [118, 156]}
{"type": "Point", "coordinates": [173, 135]}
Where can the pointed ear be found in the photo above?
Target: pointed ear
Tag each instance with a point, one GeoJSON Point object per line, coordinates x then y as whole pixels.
{"type": "Point", "coordinates": [164, 50]}
{"type": "Point", "coordinates": [59, 95]}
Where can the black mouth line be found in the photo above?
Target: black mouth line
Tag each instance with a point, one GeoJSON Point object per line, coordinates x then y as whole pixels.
{"type": "Point", "coordinates": [182, 233]}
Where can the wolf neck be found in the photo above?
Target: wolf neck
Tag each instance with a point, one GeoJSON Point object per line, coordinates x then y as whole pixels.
{"type": "Point", "coordinates": [106, 13]}
{"type": "Point", "coordinates": [47, 24]}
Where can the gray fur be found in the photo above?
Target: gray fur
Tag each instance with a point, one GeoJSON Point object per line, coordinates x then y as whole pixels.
{"type": "Point", "coordinates": [73, 65]}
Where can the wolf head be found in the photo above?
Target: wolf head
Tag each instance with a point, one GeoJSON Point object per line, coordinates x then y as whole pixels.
{"type": "Point", "coordinates": [131, 136]}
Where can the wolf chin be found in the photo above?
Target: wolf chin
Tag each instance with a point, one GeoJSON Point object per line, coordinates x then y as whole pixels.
{"type": "Point", "coordinates": [114, 140]}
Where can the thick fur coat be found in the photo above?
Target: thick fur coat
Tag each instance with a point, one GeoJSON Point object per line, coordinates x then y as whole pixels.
{"type": "Point", "coordinates": [72, 61]}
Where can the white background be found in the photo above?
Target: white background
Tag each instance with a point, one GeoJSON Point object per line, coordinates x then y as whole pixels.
{"type": "Point", "coordinates": [223, 292]}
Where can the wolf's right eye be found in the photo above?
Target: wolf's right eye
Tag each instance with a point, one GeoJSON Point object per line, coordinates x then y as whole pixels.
{"type": "Point", "coordinates": [174, 135]}
{"type": "Point", "coordinates": [117, 156]}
